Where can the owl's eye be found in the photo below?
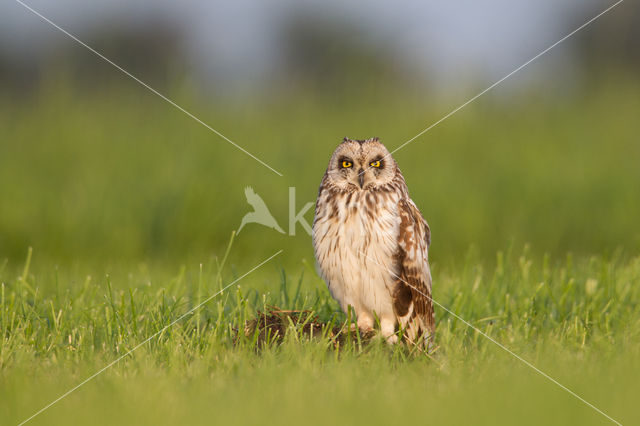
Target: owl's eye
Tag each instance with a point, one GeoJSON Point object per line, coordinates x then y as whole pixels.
{"type": "Point", "coordinates": [346, 164]}
{"type": "Point", "coordinates": [375, 163]}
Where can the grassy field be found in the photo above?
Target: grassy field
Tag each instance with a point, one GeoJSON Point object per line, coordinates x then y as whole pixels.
{"type": "Point", "coordinates": [129, 207]}
{"type": "Point", "coordinates": [579, 321]}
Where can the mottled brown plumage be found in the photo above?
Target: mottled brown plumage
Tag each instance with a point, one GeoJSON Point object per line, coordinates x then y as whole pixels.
{"type": "Point", "coordinates": [371, 242]}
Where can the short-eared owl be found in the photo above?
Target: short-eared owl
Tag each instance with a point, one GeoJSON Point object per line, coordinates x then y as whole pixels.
{"type": "Point", "coordinates": [371, 242]}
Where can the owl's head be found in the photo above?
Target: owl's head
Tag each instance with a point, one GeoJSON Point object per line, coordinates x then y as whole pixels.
{"type": "Point", "coordinates": [358, 165]}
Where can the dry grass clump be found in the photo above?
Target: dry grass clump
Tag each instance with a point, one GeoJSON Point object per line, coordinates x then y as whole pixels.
{"type": "Point", "coordinates": [271, 327]}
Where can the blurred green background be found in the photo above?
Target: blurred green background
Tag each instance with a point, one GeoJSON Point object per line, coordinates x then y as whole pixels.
{"type": "Point", "coordinates": [124, 176]}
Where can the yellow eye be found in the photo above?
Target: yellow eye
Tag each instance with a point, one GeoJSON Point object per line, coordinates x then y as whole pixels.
{"type": "Point", "coordinates": [346, 164]}
{"type": "Point", "coordinates": [375, 163]}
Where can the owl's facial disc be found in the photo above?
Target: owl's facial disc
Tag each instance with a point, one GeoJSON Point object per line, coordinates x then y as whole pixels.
{"type": "Point", "coordinates": [361, 165]}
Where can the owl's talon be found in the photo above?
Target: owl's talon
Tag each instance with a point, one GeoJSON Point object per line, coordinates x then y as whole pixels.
{"type": "Point", "coordinates": [361, 329]}
{"type": "Point", "coordinates": [392, 340]}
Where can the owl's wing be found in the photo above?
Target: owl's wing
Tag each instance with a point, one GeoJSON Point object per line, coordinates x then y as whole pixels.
{"type": "Point", "coordinates": [412, 294]}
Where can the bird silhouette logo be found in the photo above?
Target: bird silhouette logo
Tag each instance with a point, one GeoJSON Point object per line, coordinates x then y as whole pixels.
{"type": "Point", "coordinates": [260, 213]}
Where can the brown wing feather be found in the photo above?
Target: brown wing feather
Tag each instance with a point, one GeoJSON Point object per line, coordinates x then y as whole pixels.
{"type": "Point", "coordinates": [412, 294]}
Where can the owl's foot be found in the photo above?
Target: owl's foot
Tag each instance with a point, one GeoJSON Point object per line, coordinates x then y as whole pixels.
{"type": "Point", "coordinates": [362, 331]}
{"type": "Point", "coordinates": [365, 322]}
{"type": "Point", "coordinates": [388, 329]}
{"type": "Point", "coordinates": [392, 340]}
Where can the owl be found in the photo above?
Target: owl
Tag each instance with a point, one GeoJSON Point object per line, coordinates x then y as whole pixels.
{"type": "Point", "coordinates": [371, 242]}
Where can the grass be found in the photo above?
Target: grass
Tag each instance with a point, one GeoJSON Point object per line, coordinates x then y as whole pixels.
{"type": "Point", "coordinates": [577, 321]}
{"type": "Point", "coordinates": [128, 205]}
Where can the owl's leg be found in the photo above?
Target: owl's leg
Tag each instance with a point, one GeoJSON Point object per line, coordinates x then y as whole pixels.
{"type": "Point", "coordinates": [365, 321]}
{"type": "Point", "coordinates": [388, 328]}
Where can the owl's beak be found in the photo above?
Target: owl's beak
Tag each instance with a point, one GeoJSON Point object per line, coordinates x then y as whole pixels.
{"type": "Point", "coordinates": [361, 178]}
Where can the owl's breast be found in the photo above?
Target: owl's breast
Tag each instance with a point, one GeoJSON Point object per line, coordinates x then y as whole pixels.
{"type": "Point", "coordinates": [356, 220]}
{"type": "Point", "coordinates": [355, 238]}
